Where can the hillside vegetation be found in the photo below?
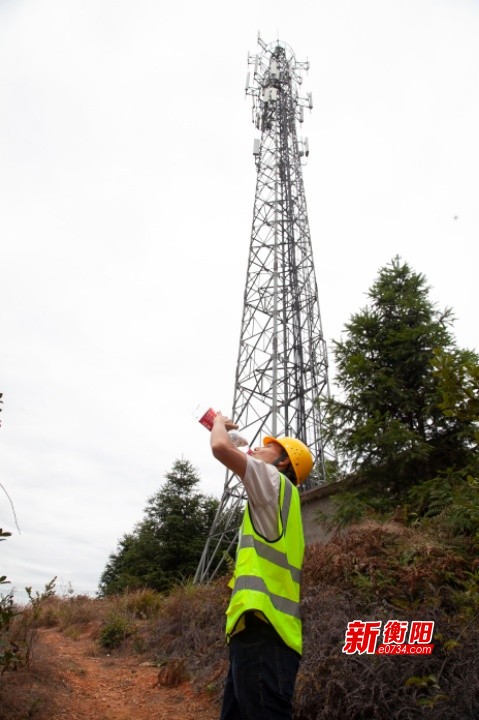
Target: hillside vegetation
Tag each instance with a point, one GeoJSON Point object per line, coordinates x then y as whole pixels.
{"type": "Point", "coordinates": [377, 570]}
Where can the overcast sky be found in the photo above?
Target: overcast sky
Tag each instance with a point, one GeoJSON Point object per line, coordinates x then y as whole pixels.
{"type": "Point", "coordinates": [126, 194]}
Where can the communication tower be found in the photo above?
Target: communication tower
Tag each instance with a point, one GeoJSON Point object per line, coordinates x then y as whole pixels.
{"type": "Point", "coordinates": [281, 378]}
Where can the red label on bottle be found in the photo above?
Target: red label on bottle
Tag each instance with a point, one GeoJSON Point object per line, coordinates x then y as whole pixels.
{"type": "Point", "coordinates": [207, 419]}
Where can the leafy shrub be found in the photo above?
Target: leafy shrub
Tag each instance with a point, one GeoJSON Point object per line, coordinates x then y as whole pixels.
{"type": "Point", "coordinates": [450, 503]}
{"type": "Point", "coordinates": [10, 656]}
{"type": "Point", "coordinates": [125, 616]}
{"type": "Point", "coordinates": [115, 631]}
{"type": "Point", "coordinates": [30, 618]}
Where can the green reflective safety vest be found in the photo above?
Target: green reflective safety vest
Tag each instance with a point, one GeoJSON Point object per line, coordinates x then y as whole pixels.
{"type": "Point", "coordinates": [267, 575]}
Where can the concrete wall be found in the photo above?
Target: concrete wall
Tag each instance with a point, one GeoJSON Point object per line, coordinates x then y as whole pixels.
{"type": "Point", "coordinates": [311, 501]}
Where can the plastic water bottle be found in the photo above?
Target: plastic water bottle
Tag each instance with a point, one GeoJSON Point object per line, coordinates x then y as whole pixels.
{"type": "Point", "coordinates": [236, 439]}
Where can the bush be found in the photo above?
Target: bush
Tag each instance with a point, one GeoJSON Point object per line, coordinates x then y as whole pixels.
{"type": "Point", "coordinates": [115, 631]}
{"type": "Point", "coordinates": [191, 629]}
{"type": "Point", "coordinates": [449, 503]}
{"type": "Point", "coordinates": [141, 604]}
{"type": "Point", "coordinates": [10, 656]}
{"type": "Point", "coordinates": [25, 629]}
{"type": "Point", "coordinates": [335, 686]}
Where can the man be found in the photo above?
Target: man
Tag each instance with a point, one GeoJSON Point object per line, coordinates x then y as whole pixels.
{"type": "Point", "coordinates": [263, 625]}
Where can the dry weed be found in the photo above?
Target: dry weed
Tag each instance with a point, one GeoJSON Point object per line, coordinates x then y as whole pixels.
{"type": "Point", "coordinates": [190, 628]}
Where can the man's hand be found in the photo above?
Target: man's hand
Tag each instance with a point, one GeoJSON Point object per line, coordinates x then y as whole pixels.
{"type": "Point", "coordinates": [225, 421]}
{"type": "Point", "coordinates": [223, 448]}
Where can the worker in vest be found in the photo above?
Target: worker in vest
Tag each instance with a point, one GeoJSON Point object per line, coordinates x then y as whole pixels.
{"type": "Point", "coordinates": [263, 622]}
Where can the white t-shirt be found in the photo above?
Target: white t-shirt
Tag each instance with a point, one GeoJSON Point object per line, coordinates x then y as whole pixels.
{"type": "Point", "coordinates": [262, 485]}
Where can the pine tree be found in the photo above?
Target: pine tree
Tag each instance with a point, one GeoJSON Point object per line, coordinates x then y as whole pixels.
{"type": "Point", "coordinates": [388, 423]}
{"type": "Point", "coordinates": [458, 376]}
{"type": "Point", "coordinates": [180, 519]}
{"type": "Point", "coordinates": [166, 546]}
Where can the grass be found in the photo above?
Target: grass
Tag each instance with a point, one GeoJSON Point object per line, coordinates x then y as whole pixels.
{"type": "Point", "coordinates": [376, 571]}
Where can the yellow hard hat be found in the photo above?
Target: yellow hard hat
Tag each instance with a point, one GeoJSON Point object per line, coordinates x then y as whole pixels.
{"type": "Point", "coordinates": [298, 453]}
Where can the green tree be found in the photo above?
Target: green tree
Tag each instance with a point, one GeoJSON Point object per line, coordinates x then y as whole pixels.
{"type": "Point", "coordinates": [135, 564]}
{"type": "Point", "coordinates": [388, 424]}
{"type": "Point", "coordinates": [458, 377]}
{"type": "Point", "coordinates": [166, 545]}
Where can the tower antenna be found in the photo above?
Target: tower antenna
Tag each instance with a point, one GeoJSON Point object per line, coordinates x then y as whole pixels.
{"type": "Point", "coordinates": [281, 381]}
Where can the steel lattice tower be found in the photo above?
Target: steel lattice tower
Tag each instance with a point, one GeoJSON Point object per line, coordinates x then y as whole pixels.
{"type": "Point", "coordinates": [282, 370]}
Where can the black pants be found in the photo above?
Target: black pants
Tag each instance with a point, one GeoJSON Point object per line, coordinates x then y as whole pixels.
{"type": "Point", "coordinates": [262, 674]}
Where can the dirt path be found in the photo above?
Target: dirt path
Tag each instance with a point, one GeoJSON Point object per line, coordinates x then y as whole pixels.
{"type": "Point", "coordinates": [83, 684]}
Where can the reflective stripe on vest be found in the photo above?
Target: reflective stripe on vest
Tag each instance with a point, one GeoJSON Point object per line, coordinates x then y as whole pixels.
{"type": "Point", "coordinates": [270, 553]}
{"type": "Point", "coordinates": [267, 574]}
{"type": "Point", "coordinates": [251, 582]}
